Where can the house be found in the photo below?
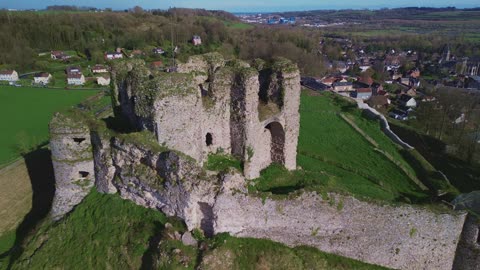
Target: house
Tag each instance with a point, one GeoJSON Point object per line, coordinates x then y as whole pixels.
{"type": "Point", "coordinates": [59, 55]}
{"type": "Point", "coordinates": [73, 70]}
{"type": "Point", "coordinates": [378, 102]}
{"type": "Point", "coordinates": [158, 51]}
{"type": "Point", "coordinates": [197, 40]}
{"type": "Point", "coordinates": [113, 55]}
{"type": "Point", "coordinates": [8, 75]}
{"type": "Point", "coordinates": [156, 64]}
{"type": "Point", "coordinates": [75, 79]}
{"type": "Point", "coordinates": [99, 69]}
{"type": "Point", "coordinates": [414, 82]}
{"type": "Point", "coordinates": [414, 73]}
{"type": "Point", "coordinates": [364, 93]}
{"type": "Point", "coordinates": [136, 53]}
{"type": "Point", "coordinates": [407, 101]}
{"type": "Point", "coordinates": [340, 66]}
{"type": "Point", "coordinates": [382, 92]}
{"type": "Point", "coordinates": [330, 80]}
{"type": "Point", "coordinates": [42, 78]}
{"type": "Point", "coordinates": [404, 80]}
{"type": "Point", "coordinates": [342, 86]}
{"type": "Point", "coordinates": [412, 92]}
{"type": "Point", "coordinates": [367, 81]}
{"type": "Point", "coordinates": [428, 99]}
{"type": "Point", "coordinates": [364, 68]}
{"type": "Point", "coordinates": [396, 76]}
{"type": "Point", "coordinates": [103, 80]}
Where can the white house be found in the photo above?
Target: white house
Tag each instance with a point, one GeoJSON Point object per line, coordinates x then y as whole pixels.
{"type": "Point", "coordinates": [42, 78]}
{"type": "Point", "coordinates": [103, 80]}
{"type": "Point", "coordinates": [99, 69]}
{"type": "Point", "coordinates": [408, 101]}
{"type": "Point", "coordinates": [8, 75]}
{"type": "Point", "coordinates": [197, 40]}
{"type": "Point", "coordinates": [364, 68]}
{"type": "Point", "coordinates": [113, 55]}
{"type": "Point", "coordinates": [158, 51]}
{"type": "Point", "coordinates": [59, 55]}
{"type": "Point", "coordinates": [75, 79]}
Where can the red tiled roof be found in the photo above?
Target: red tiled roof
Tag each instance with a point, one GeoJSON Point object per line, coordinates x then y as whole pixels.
{"type": "Point", "coordinates": [157, 63]}
{"type": "Point", "coordinates": [364, 90]}
{"type": "Point", "coordinates": [6, 72]}
{"type": "Point", "coordinates": [366, 80]}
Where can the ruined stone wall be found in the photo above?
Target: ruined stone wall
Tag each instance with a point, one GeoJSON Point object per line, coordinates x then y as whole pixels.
{"type": "Point", "coordinates": [104, 169]}
{"type": "Point", "coordinates": [273, 139]}
{"type": "Point", "coordinates": [178, 118]}
{"type": "Point", "coordinates": [209, 106]}
{"type": "Point", "coordinates": [216, 102]}
{"type": "Point", "coordinates": [72, 163]}
{"type": "Point", "coordinates": [290, 112]}
{"type": "Point", "coordinates": [400, 237]}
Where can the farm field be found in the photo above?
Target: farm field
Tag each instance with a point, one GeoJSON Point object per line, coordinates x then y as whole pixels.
{"type": "Point", "coordinates": [334, 157]}
{"type": "Point", "coordinates": [25, 114]}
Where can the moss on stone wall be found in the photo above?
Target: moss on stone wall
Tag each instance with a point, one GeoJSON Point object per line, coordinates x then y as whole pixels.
{"type": "Point", "coordinates": [143, 139]}
{"type": "Point", "coordinates": [148, 176]}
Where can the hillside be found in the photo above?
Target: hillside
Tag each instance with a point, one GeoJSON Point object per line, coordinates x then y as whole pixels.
{"type": "Point", "coordinates": [334, 156]}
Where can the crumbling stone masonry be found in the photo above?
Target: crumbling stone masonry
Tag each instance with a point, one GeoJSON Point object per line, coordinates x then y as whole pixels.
{"type": "Point", "coordinates": [72, 159]}
{"type": "Point", "coordinates": [211, 106]}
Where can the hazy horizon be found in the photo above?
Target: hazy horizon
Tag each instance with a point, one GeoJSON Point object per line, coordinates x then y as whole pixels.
{"type": "Point", "coordinates": [239, 6]}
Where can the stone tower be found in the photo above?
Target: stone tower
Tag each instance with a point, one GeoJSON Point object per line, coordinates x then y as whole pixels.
{"type": "Point", "coordinates": [72, 159]}
{"type": "Point", "coordinates": [215, 106]}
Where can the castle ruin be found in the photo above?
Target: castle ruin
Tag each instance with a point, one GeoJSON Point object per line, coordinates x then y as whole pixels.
{"type": "Point", "coordinates": [208, 107]}
{"type": "Point", "coordinates": [173, 122]}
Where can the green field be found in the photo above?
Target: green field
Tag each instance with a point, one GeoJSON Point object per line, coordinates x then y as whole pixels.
{"type": "Point", "coordinates": [106, 232]}
{"type": "Point", "coordinates": [335, 157]}
{"type": "Point", "coordinates": [25, 113]}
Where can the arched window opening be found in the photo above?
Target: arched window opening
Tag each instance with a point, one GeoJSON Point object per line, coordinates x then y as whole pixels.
{"type": "Point", "coordinates": [277, 143]}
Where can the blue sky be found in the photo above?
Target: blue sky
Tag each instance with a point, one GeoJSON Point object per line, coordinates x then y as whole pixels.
{"type": "Point", "coordinates": [240, 5]}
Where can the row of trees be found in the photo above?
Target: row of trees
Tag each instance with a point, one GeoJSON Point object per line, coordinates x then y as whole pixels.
{"type": "Point", "coordinates": [453, 118]}
{"type": "Point", "coordinates": [24, 34]}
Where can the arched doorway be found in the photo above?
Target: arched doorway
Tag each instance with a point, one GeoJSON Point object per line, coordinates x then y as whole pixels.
{"type": "Point", "coordinates": [278, 142]}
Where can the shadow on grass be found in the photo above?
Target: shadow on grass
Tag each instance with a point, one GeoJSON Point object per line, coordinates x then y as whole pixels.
{"type": "Point", "coordinates": [149, 257]}
{"type": "Point", "coordinates": [463, 176]}
{"type": "Point", "coordinates": [40, 171]}
{"type": "Point", "coordinates": [285, 189]}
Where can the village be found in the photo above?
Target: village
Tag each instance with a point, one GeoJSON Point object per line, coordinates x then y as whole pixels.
{"type": "Point", "coordinates": [399, 87]}
{"type": "Point", "coordinates": [73, 70]}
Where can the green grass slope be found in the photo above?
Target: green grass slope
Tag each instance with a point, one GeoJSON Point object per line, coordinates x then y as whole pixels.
{"type": "Point", "coordinates": [104, 232]}
{"type": "Point", "coordinates": [335, 157]}
{"type": "Point", "coordinates": [25, 113]}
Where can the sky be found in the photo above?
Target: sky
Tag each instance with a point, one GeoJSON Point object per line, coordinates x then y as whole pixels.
{"type": "Point", "coordinates": [241, 5]}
